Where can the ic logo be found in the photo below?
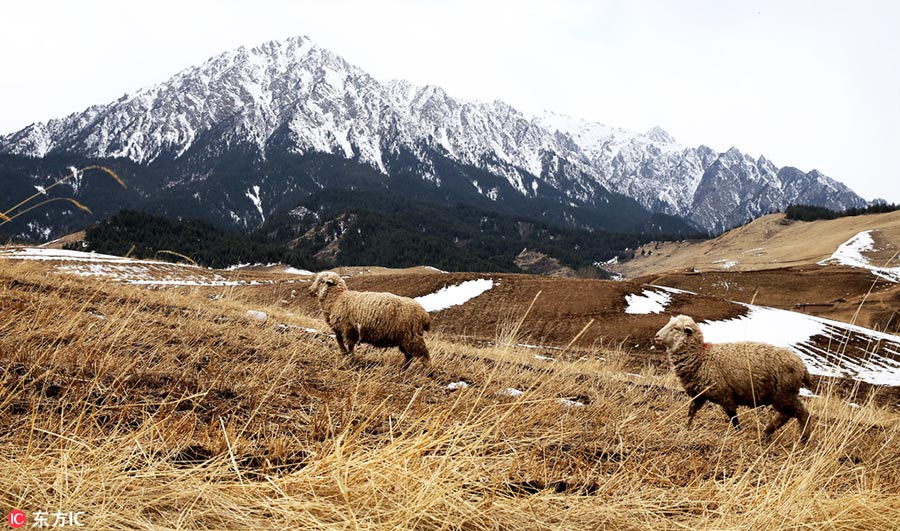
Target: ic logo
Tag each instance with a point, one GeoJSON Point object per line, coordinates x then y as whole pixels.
{"type": "Point", "coordinates": [16, 519]}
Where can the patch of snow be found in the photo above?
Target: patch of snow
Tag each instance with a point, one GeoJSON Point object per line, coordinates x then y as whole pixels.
{"type": "Point", "coordinates": [766, 325]}
{"type": "Point", "coordinates": [41, 253]}
{"type": "Point", "coordinates": [543, 358]}
{"type": "Point", "coordinates": [257, 201]}
{"type": "Point", "coordinates": [511, 391]}
{"type": "Point", "coordinates": [257, 315]}
{"type": "Point", "coordinates": [647, 302]}
{"type": "Point", "coordinates": [852, 350]}
{"type": "Point", "coordinates": [569, 403]}
{"type": "Point", "coordinates": [671, 290]}
{"type": "Point", "coordinates": [850, 254]}
{"type": "Point", "coordinates": [285, 327]}
{"type": "Point", "coordinates": [183, 283]}
{"type": "Point", "coordinates": [449, 296]}
{"type": "Point", "coordinates": [457, 385]}
{"type": "Point", "coordinates": [294, 271]}
{"type": "Point", "coordinates": [435, 269]}
{"type": "Point", "coordinates": [526, 345]}
{"type": "Point", "coordinates": [726, 264]}
{"type": "Point", "coordinates": [806, 392]}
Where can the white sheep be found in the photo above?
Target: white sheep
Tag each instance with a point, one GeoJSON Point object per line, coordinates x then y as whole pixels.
{"type": "Point", "coordinates": [379, 319]}
{"type": "Point", "coordinates": [737, 374]}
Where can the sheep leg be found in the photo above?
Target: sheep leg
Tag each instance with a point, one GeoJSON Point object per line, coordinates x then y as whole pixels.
{"type": "Point", "coordinates": [805, 421]}
{"type": "Point", "coordinates": [340, 341]}
{"type": "Point", "coordinates": [731, 411]}
{"type": "Point", "coordinates": [696, 403]}
{"type": "Point", "coordinates": [407, 359]}
{"type": "Point", "coordinates": [414, 349]}
{"type": "Point", "coordinates": [352, 340]}
{"type": "Point", "coordinates": [777, 421]}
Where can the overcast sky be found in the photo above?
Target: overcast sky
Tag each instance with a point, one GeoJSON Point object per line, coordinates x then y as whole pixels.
{"type": "Point", "coordinates": [809, 84]}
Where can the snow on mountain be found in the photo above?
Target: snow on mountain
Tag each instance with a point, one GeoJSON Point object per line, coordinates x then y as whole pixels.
{"type": "Point", "coordinates": [295, 96]}
{"type": "Point", "coordinates": [715, 190]}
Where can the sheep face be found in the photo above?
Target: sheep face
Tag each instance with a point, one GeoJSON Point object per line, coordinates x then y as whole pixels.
{"type": "Point", "coordinates": [325, 282]}
{"type": "Point", "coordinates": [676, 333]}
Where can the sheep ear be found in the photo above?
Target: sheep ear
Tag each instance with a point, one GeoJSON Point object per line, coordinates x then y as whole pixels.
{"type": "Point", "coordinates": [330, 282]}
{"type": "Point", "coordinates": [688, 330]}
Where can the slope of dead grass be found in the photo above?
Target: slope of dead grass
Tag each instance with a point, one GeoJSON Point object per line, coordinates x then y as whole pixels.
{"type": "Point", "coordinates": [769, 242]}
{"type": "Point", "coordinates": [159, 410]}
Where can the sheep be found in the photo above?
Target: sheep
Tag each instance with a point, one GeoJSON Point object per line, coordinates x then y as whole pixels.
{"type": "Point", "coordinates": [379, 319]}
{"type": "Point", "coordinates": [736, 374]}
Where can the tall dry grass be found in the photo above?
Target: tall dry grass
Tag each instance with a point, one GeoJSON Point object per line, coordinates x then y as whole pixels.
{"type": "Point", "coordinates": [160, 410]}
{"type": "Point", "coordinates": [19, 209]}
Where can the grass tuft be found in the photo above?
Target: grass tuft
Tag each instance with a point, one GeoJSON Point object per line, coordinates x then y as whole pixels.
{"type": "Point", "coordinates": [6, 217]}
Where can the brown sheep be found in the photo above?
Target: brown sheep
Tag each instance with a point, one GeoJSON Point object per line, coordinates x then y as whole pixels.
{"type": "Point", "coordinates": [379, 319]}
{"type": "Point", "coordinates": [737, 374]}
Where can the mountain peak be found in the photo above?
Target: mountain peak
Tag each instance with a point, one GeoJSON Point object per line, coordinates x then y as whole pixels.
{"type": "Point", "coordinates": [290, 98]}
{"type": "Point", "coordinates": [658, 134]}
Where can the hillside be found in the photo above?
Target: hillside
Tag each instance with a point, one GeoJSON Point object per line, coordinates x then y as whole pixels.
{"type": "Point", "coordinates": [769, 242]}
{"type": "Point", "coordinates": [844, 269]}
{"type": "Point", "coordinates": [162, 405]}
{"type": "Point", "coordinates": [360, 228]}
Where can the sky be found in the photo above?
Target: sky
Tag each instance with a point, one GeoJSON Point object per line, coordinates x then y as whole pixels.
{"type": "Point", "coordinates": [810, 84]}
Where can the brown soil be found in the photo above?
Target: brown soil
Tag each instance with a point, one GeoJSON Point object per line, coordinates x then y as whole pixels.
{"type": "Point", "coordinates": [562, 310]}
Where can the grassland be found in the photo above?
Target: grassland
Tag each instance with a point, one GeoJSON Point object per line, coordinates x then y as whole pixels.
{"type": "Point", "coordinates": [770, 242]}
{"type": "Point", "coordinates": [170, 409]}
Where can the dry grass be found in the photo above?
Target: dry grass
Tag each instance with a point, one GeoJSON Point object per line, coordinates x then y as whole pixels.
{"type": "Point", "coordinates": [160, 410]}
{"type": "Point", "coordinates": [6, 217]}
{"type": "Point", "coordinates": [769, 242]}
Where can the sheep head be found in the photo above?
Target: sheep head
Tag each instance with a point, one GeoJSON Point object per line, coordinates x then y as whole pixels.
{"type": "Point", "coordinates": [677, 332]}
{"type": "Point", "coordinates": [326, 282]}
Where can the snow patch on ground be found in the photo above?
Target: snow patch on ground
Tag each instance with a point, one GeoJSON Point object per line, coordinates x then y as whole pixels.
{"type": "Point", "coordinates": [294, 271]}
{"type": "Point", "coordinates": [726, 264]}
{"type": "Point", "coordinates": [850, 254]}
{"type": "Point", "coordinates": [40, 253]}
{"type": "Point", "coordinates": [648, 301]}
{"type": "Point", "coordinates": [852, 351]}
{"type": "Point", "coordinates": [257, 316]}
{"type": "Point", "coordinates": [450, 296]}
{"type": "Point", "coordinates": [766, 325]}
{"type": "Point", "coordinates": [127, 270]}
{"type": "Point", "coordinates": [671, 290]}
{"type": "Point", "coordinates": [235, 267]}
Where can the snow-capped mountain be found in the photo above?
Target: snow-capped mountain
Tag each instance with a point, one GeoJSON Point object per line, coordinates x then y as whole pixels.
{"type": "Point", "coordinates": [715, 190]}
{"type": "Point", "coordinates": [251, 131]}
